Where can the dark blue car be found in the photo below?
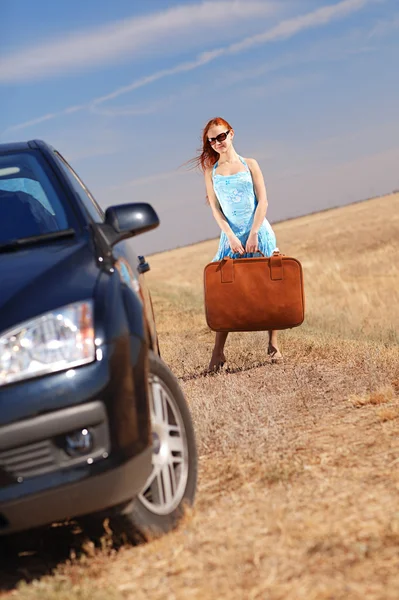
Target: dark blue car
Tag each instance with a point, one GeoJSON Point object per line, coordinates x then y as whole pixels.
{"type": "Point", "coordinates": [92, 422]}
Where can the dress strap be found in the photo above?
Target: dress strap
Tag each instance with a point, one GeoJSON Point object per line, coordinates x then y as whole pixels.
{"type": "Point", "coordinates": [243, 162]}
{"type": "Point", "coordinates": [214, 168]}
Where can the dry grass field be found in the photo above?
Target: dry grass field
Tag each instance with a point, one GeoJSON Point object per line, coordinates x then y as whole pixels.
{"type": "Point", "coordinates": [298, 492]}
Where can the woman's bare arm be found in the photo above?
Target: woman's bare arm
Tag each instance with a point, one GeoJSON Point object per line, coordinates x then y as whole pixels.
{"type": "Point", "coordinates": [214, 203]}
{"type": "Point", "coordinates": [260, 193]}
{"type": "Point", "coordinates": [220, 219]}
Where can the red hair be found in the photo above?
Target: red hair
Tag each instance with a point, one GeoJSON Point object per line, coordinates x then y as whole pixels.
{"type": "Point", "coordinates": [208, 155]}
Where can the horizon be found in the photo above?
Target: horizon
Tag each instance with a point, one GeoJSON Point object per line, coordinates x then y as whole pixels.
{"type": "Point", "coordinates": [298, 217]}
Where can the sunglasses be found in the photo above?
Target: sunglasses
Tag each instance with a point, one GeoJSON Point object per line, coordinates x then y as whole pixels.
{"type": "Point", "coordinates": [219, 138]}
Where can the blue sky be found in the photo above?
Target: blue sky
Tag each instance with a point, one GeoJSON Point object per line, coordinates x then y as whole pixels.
{"type": "Point", "coordinates": [123, 90]}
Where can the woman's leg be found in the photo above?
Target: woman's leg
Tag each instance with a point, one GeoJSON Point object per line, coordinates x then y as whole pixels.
{"type": "Point", "coordinates": [218, 357]}
{"type": "Point", "coordinates": [273, 349]}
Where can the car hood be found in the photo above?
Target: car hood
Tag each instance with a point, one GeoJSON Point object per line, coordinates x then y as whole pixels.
{"type": "Point", "coordinates": [36, 279]}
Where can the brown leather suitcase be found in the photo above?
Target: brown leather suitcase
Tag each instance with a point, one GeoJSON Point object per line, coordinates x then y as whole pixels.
{"type": "Point", "coordinates": [254, 294]}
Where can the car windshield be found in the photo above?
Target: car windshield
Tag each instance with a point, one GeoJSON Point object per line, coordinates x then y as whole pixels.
{"type": "Point", "coordinates": [29, 203]}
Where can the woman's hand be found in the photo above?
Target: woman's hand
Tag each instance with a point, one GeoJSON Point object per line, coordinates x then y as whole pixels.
{"type": "Point", "coordinates": [252, 243]}
{"type": "Point", "coordinates": [235, 244]}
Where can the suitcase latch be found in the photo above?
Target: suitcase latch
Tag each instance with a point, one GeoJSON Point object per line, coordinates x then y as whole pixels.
{"type": "Point", "coordinates": [276, 267]}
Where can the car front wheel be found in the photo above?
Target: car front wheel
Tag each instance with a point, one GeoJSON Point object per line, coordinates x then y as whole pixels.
{"type": "Point", "coordinates": [172, 483]}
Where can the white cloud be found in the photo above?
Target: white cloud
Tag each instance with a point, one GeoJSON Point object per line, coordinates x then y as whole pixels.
{"type": "Point", "coordinates": [32, 122]}
{"type": "Point", "coordinates": [43, 119]}
{"type": "Point", "coordinates": [289, 27]}
{"type": "Point", "coordinates": [136, 110]}
{"type": "Point", "coordinates": [126, 40]}
{"type": "Point", "coordinates": [325, 51]}
{"type": "Point", "coordinates": [284, 30]}
{"type": "Point", "coordinates": [385, 28]}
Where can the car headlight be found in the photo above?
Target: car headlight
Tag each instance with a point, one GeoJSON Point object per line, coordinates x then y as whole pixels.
{"type": "Point", "coordinates": [58, 340]}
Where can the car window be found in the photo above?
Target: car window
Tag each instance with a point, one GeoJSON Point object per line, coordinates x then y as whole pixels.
{"type": "Point", "coordinates": [29, 203]}
{"type": "Point", "coordinates": [84, 194]}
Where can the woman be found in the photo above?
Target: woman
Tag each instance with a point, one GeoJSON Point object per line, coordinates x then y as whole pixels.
{"type": "Point", "coordinates": [237, 196]}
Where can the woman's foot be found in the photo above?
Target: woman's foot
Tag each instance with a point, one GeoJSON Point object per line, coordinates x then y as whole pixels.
{"type": "Point", "coordinates": [275, 354]}
{"type": "Point", "coordinates": [217, 362]}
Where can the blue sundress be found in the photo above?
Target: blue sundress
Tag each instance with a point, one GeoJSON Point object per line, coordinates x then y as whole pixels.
{"type": "Point", "coordinates": [236, 196]}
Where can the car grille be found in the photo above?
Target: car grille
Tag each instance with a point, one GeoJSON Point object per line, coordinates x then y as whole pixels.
{"type": "Point", "coordinates": [28, 461]}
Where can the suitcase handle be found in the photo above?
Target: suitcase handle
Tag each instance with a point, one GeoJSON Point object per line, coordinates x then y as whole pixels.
{"type": "Point", "coordinates": [276, 267]}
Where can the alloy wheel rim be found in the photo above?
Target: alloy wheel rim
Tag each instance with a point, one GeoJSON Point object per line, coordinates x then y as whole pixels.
{"type": "Point", "coordinates": [166, 485]}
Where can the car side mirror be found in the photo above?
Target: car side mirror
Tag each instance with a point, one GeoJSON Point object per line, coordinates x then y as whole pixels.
{"type": "Point", "coordinates": [128, 220]}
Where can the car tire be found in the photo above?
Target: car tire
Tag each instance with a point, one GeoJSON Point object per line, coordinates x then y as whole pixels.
{"type": "Point", "coordinates": [172, 484]}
